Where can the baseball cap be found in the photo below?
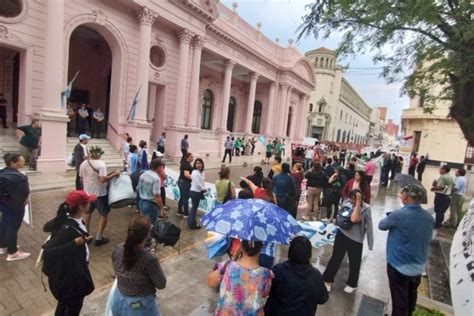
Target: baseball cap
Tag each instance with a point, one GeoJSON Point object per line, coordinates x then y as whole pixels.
{"type": "Point", "coordinates": [84, 136]}
{"type": "Point", "coordinates": [78, 197]}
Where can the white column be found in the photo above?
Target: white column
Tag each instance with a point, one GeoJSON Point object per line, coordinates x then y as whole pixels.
{"type": "Point", "coordinates": [147, 17]}
{"type": "Point", "coordinates": [286, 97]}
{"type": "Point", "coordinates": [54, 81]}
{"type": "Point", "coordinates": [184, 40]}
{"type": "Point", "coordinates": [229, 66]}
{"type": "Point", "coordinates": [251, 101]}
{"type": "Point", "coordinates": [270, 109]}
{"type": "Point", "coordinates": [192, 118]}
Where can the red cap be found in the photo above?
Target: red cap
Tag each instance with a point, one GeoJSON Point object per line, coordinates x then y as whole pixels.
{"type": "Point", "coordinates": [78, 197]}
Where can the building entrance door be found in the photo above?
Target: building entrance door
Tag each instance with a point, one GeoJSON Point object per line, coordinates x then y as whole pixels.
{"type": "Point", "coordinates": [416, 141]}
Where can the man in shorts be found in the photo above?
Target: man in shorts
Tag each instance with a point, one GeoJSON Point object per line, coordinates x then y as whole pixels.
{"type": "Point", "coordinates": [93, 173]}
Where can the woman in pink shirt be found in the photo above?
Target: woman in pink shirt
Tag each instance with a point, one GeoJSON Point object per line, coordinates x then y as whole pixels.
{"type": "Point", "coordinates": [369, 170]}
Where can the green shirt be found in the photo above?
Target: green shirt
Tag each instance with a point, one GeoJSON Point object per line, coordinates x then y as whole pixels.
{"type": "Point", "coordinates": [279, 149]}
{"type": "Point", "coordinates": [269, 148]}
{"type": "Point", "coordinates": [445, 181]}
{"type": "Point", "coordinates": [237, 144]}
{"type": "Point", "coordinates": [31, 137]}
{"type": "Point", "coordinates": [222, 189]}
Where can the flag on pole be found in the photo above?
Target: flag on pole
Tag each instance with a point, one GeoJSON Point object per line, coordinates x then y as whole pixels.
{"type": "Point", "coordinates": [67, 92]}
{"type": "Point", "coordinates": [131, 115]}
{"type": "Point", "coordinates": [261, 139]}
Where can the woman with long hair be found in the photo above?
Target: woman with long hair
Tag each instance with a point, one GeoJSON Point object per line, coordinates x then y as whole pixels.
{"type": "Point", "coordinates": [197, 191]}
{"type": "Point", "coordinates": [350, 239]}
{"type": "Point", "coordinates": [357, 183]}
{"type": "Point", "coordinates": [243, 284]}
{"type": "Point", "coordinates": [184, 184]}
{"type": "Point", "coordinates": [66, 254]}
{"type": "Point", "coordinates": [138, 272]}
{"type": "Point", "coordinates": [225, 188]}
{"type": "Point", "coordinates": [264, 192]}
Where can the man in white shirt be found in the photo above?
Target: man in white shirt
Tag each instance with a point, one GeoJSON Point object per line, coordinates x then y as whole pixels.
{"type": "Point", "coordinates": [126, 148]}
{"type": "Point", "coordinates": [93, 173]}
{"type": "Point", "coordinates": [308, 158]}
{"type": "Point", "coordinates": [457, 198]}
{"type": "Point", "coordinates": [80, 154]}
{"type": "Point", "coordinates": [228, 146]}
{"type": "Point", "coordinates": [97, 122]}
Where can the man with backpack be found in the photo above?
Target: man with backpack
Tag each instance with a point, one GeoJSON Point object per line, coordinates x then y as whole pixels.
{"type": "Point", "coordinates": [93, 173]}
{"type": "Point", "coordinates": [14, 192]}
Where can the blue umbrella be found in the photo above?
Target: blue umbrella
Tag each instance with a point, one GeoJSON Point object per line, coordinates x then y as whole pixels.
{"type": "Point", "coordinates": [252, 219]}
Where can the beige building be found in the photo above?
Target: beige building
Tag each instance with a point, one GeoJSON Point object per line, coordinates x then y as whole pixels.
{"type": "Point", "coordinates": [435, 134]}
{"type": "Point", "coordinates": [336, 111]}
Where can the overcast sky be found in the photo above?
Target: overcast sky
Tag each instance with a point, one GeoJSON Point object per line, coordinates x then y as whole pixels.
{"type": "Point", "coordinates": [281, 18]}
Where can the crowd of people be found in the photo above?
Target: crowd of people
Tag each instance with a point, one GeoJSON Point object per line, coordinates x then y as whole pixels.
{"type": "Point", "coordinates": [249, 283]}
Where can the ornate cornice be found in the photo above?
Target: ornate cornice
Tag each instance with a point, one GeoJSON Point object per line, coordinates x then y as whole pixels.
{"type": "Point", "coordinates": [210, 16]}
{"type": "Point", "coordinates": [147, 16]}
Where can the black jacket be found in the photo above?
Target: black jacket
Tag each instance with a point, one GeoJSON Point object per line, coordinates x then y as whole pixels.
{"type": "Point", "coordinates": [421, 166]}
{"type": "Point", "coordinates": [70, 277]}
{"type": "Point", "coordinates": [79, 155]}
{"type": "Point", "coordinates": [297, 289]}
{"type": "Point", "coordinates": [14, 188]}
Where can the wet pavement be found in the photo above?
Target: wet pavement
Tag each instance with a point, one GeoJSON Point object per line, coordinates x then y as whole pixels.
{"type": "Point", "coordinates": [21, 292]}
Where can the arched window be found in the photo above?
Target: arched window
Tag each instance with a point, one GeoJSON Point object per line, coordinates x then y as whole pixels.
{"type": "Point", "coordinates": [231, 114]}
{"type": "Point", "coordinates": [321, 61]}
{"type": "Point", "coordinates": [338, 139]}
{"type": "Point", "coordinates": [327, 62]}
{"type": "Point", "coordinates": [311, 107]}
{"type": "Point", "coordinates": [257, 117]}
{"type": "Point", "coordinates": [316, 62]}
{"type": "Point", "coordinates": [11, 8]}
{"type": "Point", "coordinates": [288, 124]}
{"type": "Point", "coordinates": [344, 136]}
{"type": "Point", "coordinates": [206, 112]}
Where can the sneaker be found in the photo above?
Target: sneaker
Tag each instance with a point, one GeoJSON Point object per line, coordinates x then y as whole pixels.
{"type": "Point", "coordinates": [349, 289]}
{"type": "Point", "coordinates": [102, 241]}
{"type": "Point", "coordinates": [185, 216]}
{"type": "Point", "coordinates": [19, 255]}
{"type": "Point", "coordinates": [3, 251]}
{"type": "Point", "coordinates": [328, 286]}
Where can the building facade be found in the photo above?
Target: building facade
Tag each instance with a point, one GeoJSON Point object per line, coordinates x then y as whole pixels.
{"type": "Point", "coordinates": [391, 128]}
{"type": "Point", "coordinates": [435, 134]}
{"type": "Point", "coordinates": [336, 111]}
{"type": "Point", "coordinates": [191, 67]}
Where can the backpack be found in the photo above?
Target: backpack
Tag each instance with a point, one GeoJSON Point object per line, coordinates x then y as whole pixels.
{"type": "Point", "coordinates": [343, 218]}
{"type": "Point", "coordinates": [166, 233]}
{"type": "Point", "coordinates": [50, 264]}
{"type": "Point", "coordinates": [71, 160]}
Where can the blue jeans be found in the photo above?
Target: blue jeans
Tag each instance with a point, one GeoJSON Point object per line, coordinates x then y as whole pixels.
{"type": "Point", "coordinates": [129, 305]}
{"type": "Point", "coordinates": [195, 199]}
{"type": "Point", "coordinates": [307, 163]}
{"type": "Point", "coordinates": [183, 203]}
{"type": "Point", "coordinates": [149, 209]}
{"type": "Point", "coordinates": [10, 223]}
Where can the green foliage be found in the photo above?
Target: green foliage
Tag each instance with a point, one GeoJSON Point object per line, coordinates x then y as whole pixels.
{"type": "Point", "coordinates": [420, 311]}
{"type": "Point", "coordinates": [433, 40]}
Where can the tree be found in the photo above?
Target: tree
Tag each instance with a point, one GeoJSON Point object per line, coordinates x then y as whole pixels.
{"type": "Point", "coordinates": [431, 39]}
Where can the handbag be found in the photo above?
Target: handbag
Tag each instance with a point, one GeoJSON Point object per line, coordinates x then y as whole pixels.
{"type": "Point", "coordinates": [202, 194]}
{"type": "Point", "coordinates": [228, 196]}
{"type": "Point", "coordinates": [343, 218]}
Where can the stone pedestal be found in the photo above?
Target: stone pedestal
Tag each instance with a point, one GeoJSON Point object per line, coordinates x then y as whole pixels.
{"type": "Point", "coordinates": [53, 142]}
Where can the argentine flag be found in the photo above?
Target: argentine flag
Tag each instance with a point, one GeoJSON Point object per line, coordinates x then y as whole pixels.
{"type": "Point", "coordinates": [131, 115]}
{"type": "Point", "coordinates": [67, 92]}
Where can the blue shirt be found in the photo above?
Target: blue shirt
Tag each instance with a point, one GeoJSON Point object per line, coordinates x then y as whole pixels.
{"type": "Point", "coordinates": [410, 232]}
{"type": "Point", "coordinates": [284, 185]}
{"type": "Point", "coordinates": [460, 185]}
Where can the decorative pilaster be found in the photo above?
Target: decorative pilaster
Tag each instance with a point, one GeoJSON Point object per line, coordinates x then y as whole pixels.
{"type": "Point", "coordinates": [229, 66]}
{"type": "Point", "coordinates": [251, 102]}
{"type": "Point", "coordinates": [147, 17]}
{"type": "Point", "coordinates": [198, 44]}
{"type": "Point", "coordinates": [185, 38]}
{"type": "Point", "coordinates": [53, 118]}
{"type": "Point", "coordinates": [282, 110]}
{"type": "Point", "coordinates": [270, 109]}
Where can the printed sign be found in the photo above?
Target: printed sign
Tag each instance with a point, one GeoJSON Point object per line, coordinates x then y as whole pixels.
{"type": "Point", "coordinates": [461, 269]}
{"type": "Point", "coordinates": [319, 233]}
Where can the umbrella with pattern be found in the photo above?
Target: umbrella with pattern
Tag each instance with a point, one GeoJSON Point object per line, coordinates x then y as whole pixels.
{"type": "Point", "coordinates": [252, 219]}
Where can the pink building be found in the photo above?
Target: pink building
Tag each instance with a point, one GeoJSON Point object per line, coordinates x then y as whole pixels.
{"type": "Point", "coordinates": [201, 70]}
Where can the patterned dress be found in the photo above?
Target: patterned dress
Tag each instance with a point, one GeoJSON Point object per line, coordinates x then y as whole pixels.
{"type": "Point", "coordinates": [243, 291]}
